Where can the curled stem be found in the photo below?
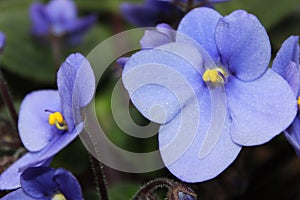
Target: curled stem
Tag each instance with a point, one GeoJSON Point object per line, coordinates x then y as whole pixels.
{"type": "Point", "coordinates": [174, 189]}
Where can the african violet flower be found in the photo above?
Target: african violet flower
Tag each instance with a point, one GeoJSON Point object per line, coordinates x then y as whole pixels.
{"type": "Point", "coordinates": [286, 64]}
{"type": "Point", "coordinates": [152, 12]}
{"type": "Point", "coordinates": [211, 90]}
{"type": "Point", "coordinates": [59, 18]}
{"type": "Point", "coordinates": [46, 183]}
{"type": "Point", "coordinates": [50, 119]}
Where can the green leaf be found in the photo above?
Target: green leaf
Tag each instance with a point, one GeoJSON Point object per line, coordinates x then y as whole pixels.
{"type": "Point", "coordinates": [269, 12]}
{"type": "Point", "coordinates": [22, 55]}
{"type": "Point", "coordinates": [282, 31]}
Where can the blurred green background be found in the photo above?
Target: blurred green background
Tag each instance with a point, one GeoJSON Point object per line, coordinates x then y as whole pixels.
{"type": "Point", "coordinates": [271, 171]}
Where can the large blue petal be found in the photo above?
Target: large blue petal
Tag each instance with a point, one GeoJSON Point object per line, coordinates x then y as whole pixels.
{"type": "Point", "coordinates": [37, 182]}
{"type": "Point", "coordinates": [85, 84]}
{"type": "Point", "coordinates": [182, 140]}
{"type": "Point", "coordinates": [243, 44]}
{"type": "Point", "coordinates": [261, 109]}
{"type": "Point", "coordinates": [34, 129]}
{"type": "Point", "coordinates": [160, 81]}
{"type": "Point", "coordinates": [10, 178]}
{"type": "Point", "coordinates": [76, 86]}
{"type": "Point", "coordinates": [68, 185]}
{"type": "Point", "coordinates": [289, 51]}
{"type": "Point", "coordinates": [17, 195]}
{"type": "Point", "coordinates": [286, 62]}
{"type": "Point", "coordinates": [200, 24]}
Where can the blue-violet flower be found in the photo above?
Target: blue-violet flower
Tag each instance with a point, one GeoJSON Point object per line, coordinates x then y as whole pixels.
{"type": "Point", "coordinates": [46, 183]}
{"type": "Point", "coordinates": [153, 12]}
{"type": "Point", "coordinates": [59, 18]}
{"type": "Point", "coordinates": [211, 90]}
{"type": "Point", "coordinates": [50, 119]}
{"type": "Point", "coordinates": [286, 63]}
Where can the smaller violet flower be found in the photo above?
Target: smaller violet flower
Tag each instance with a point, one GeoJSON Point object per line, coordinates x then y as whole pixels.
{"type": "Point", "coordinates": [46, 183]}
{"type": "Point", "coordinates": [50, 119]}
{"type": "Point", "coordinates": [162, 34]}
{"type": "Point", "coordinates": [286, 63]}
{"type": "Point", "coordinates": [2, 41]}
{"type": "Point", "coordinates": [59, 18]}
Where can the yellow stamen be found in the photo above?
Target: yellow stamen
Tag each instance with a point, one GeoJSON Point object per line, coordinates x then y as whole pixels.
{"type": "Point", "coordinates": [59, 196]}
{"type": "Point", "coordinates": [298, 101]}
{"type": "Point", "coordinates": [57, 119]}
{"type": "Point", "coordinates": [214, 75]}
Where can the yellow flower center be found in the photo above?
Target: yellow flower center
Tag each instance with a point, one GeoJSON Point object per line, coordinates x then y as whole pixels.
{"type": "Point", "coordinates": [59, 196]}
{"type": "Point", "coordinates": [216, 75]}
{"type": "Point", "coordinates": [298, 102]}
{"type": "Point", "coordinates": [57, 119]}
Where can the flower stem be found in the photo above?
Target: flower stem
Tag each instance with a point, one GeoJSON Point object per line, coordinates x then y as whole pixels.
{"type": "Point", "coordinates": [99, 177]}
{"type": "Point", "coordinates": [8, 101]}
{"type": "Point", "coordinates": [56, 50]}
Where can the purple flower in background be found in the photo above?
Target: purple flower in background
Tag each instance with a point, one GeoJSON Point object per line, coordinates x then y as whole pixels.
{"type": "Point", "coordinates": [153, 12]}
{"type": "Point", "coordinates": [46, 183]}
{"type": "Point", "coordinates": [286, 64]}
{"type": "Point", "coordinates": [2, 41]}
{"type": "Point", "coordinates": [50, 119]}
{"type": "Point", "coordinates": [211, 90]}
{"type": "Point", "coordinates": [59, 18]}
